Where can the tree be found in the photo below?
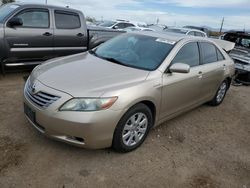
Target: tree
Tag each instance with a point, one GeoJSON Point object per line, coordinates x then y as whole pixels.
{"type": "Point", "coordinates": [90, 19]}
{"type": "Point", "coordinates": [7, 1]}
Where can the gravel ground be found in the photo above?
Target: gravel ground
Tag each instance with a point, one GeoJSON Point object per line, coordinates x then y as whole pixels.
{"type": "Point", "coordinates": [208, 147]}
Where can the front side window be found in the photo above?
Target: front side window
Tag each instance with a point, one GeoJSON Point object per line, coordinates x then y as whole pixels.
{"type": "Point", "coordinates": [6, 10]}
{"type": "Point", "coordinates": [191, 33]}
{"type": "Point", "coordinates": [67, 20]}
{"type": "Point", "coordinates": [209, 52]}
{"type": "Point", "coordinates": [128, 25]}
{"type": "Point", "coordinates": [35, 18]}
{"type": "Point", "coordinates": [188, 54]}
{"type": "Point", "coordinates": [133, 50]}
{"type": "Point", "coordinates": [120, 26]}
{"type": "Point", "coordinates": [107, 24]}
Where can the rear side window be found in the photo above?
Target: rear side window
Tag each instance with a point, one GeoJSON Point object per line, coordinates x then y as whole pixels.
{"type": "Point", "coordinates": [67, 20]}
{"type": "Point", "coordinates": [188, 54]}
{"type": "Point", "coordinates": [209, 53]}
{"type": "Point", "coordinates": [220, 55]}
{"type": "Point", "coordinates": [35, 18]}
{"type": "Point", "coordinates": [199, 34]}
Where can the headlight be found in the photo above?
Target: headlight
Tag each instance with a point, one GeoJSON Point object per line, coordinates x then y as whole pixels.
{"type": "Point", "coordinates": [88, 104]}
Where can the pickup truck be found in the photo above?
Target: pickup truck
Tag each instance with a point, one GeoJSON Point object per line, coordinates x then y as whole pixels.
{"type": "Point", "coordinates": [33, 33]}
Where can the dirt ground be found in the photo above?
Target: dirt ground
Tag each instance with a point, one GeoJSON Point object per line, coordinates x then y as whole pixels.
{"type": "Point", "coordinates": [208, 147]}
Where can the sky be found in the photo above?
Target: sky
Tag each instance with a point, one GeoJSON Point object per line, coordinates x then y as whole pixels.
{"type": "Point", "coordinates": [169, 12]}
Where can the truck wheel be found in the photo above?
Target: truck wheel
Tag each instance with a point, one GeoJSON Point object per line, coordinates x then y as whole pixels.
{"type": "Point", "coordinates": [133, 128]}
{"type": "Point", "coordinates": [220, 94]}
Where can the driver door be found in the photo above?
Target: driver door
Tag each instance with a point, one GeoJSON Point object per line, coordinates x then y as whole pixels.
{"type": "Point", "coordinates": [181, 91]}
{"type": "Point", "coordinates": [34, 39]}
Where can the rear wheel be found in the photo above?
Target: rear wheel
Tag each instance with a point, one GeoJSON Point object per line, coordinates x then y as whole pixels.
{"type": "Point", "coordinates": [220, 94]}
{"type": "Point", "coordinates": [133, 128]}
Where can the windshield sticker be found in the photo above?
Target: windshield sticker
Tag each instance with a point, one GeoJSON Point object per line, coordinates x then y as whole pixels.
{"type": "Point", "coordinates": [165, 41]}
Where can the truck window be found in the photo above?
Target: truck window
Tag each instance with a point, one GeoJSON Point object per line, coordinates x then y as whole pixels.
{"type": "Point", "coordinates": [67, 20]}
{"type": "Point", "coordinates": [34, 18]}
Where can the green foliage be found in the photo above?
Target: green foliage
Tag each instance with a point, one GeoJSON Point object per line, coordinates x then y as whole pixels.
{"type": "Point", "coordinates": [90, 19]}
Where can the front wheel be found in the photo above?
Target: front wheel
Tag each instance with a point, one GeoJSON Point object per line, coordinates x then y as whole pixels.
{"type": "Point", "coordinates": [133, 128]}
{"type": "Point", "coordinates": [220, 94]}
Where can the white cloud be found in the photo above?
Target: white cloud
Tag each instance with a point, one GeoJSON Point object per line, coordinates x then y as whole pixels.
{"type": "Point", "coordinates": [208, 3]}
{"type": "Point", "coordinates": [107, 9]}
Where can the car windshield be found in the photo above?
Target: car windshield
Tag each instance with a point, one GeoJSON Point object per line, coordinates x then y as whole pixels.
{"type": "Point", "coordinates": [5, 10]}
{"type": "Point", "coordinates": [134, 50]}
{"type": "Point", "coordinates": [107, 24]}
{"type": "Point", "coordinates": [182, 31]}
{"type": "Point", "coordinates": [245, 42]}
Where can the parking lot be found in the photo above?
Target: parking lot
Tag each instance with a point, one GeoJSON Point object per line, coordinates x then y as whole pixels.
{"type": "Point", "coordinates": [207, 147]}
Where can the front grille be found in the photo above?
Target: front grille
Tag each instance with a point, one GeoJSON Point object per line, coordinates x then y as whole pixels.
{"type": "Point", "coordinates": [41, 99]}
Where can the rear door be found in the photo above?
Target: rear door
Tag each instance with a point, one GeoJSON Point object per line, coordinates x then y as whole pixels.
{"type": "Point", "coordinates": [70, 34]}
{"type": "Point", "coordinates": [212, 68]}
{"type": "Point", "coordinates": [34, 39]}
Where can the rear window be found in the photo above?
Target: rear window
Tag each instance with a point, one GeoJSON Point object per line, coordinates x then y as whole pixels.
{"type": "Point", "coordinates": [67, 20]}
{"type": "Point", "coordinates": [209, 52]}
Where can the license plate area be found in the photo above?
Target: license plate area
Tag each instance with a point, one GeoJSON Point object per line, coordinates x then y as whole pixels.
{"type": "Point", "coordinates": [30, 113]}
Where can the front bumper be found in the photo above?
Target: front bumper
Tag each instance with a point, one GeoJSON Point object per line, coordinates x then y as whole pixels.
{"type": "Point", "coordinates": [85, 129]}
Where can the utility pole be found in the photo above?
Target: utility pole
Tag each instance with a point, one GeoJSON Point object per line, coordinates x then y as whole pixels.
{"type": "Point", "coordinates": [157, 21]}
{"type": "Point", "coordinates": [46, 2]}
{"type": "Point", "coordinates": [221, 25]}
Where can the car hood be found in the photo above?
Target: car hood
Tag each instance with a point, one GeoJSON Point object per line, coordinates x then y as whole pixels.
{"type": "Point", "coordinates": [85, 75]}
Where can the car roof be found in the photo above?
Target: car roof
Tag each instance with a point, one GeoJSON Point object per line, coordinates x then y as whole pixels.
{"type": "Point", "coordinates": [23, 4]}
{"type": "Point", "coordinates": [185, 29]}
{"type": "Point", "coordinates": [175, 37]}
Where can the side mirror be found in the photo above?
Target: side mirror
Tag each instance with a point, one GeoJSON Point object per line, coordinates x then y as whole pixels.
{"type": "Point", "coordinates": [115, 27]}
{"type": "Point", "coordinates": [180, 68]}
{"type": "Point", "coordinates": [15, 22]}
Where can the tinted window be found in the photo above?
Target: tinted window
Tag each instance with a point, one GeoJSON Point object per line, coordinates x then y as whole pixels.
{"type": "Point", "coordinates": [120, 26]}
{"type": "Point", "coordinates": [199, 34]}
{"type": "Point", "coordinates": [67, 20]}
{"type": "Point", "coordinates": [188, 54]}
{"type": "Point", "coordinates": [208, 52]}
{"type": "Point", "coordinates": [128, 25]}
{"type": "Point", "coordinates": [35, 18]}
{"type": "Point", "coordinates": [107, 24]}
{"type": "Point", "coordinates": [138, 51]}
{"type": "Point", "coordinates": [191, 33]}
{"type": "Point", "coordinates": [220, 56]}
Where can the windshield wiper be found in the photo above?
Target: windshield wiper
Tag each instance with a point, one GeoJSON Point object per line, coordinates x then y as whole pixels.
{"type": "Point", "coordinates": [113, 60]}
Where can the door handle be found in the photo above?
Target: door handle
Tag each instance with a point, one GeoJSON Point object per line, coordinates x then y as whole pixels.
{"type": "Point", "coordinates": [200, 74]}
{"type": "Point", "coordinates": [47, 34]}
{"type": "Point", "coordinates": [80, 35]}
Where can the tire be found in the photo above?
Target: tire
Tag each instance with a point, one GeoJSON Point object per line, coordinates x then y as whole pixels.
{"type": "Point", "coordinates": [128, 135]}
{"type": "Point", "coordinates": [220, 94]}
